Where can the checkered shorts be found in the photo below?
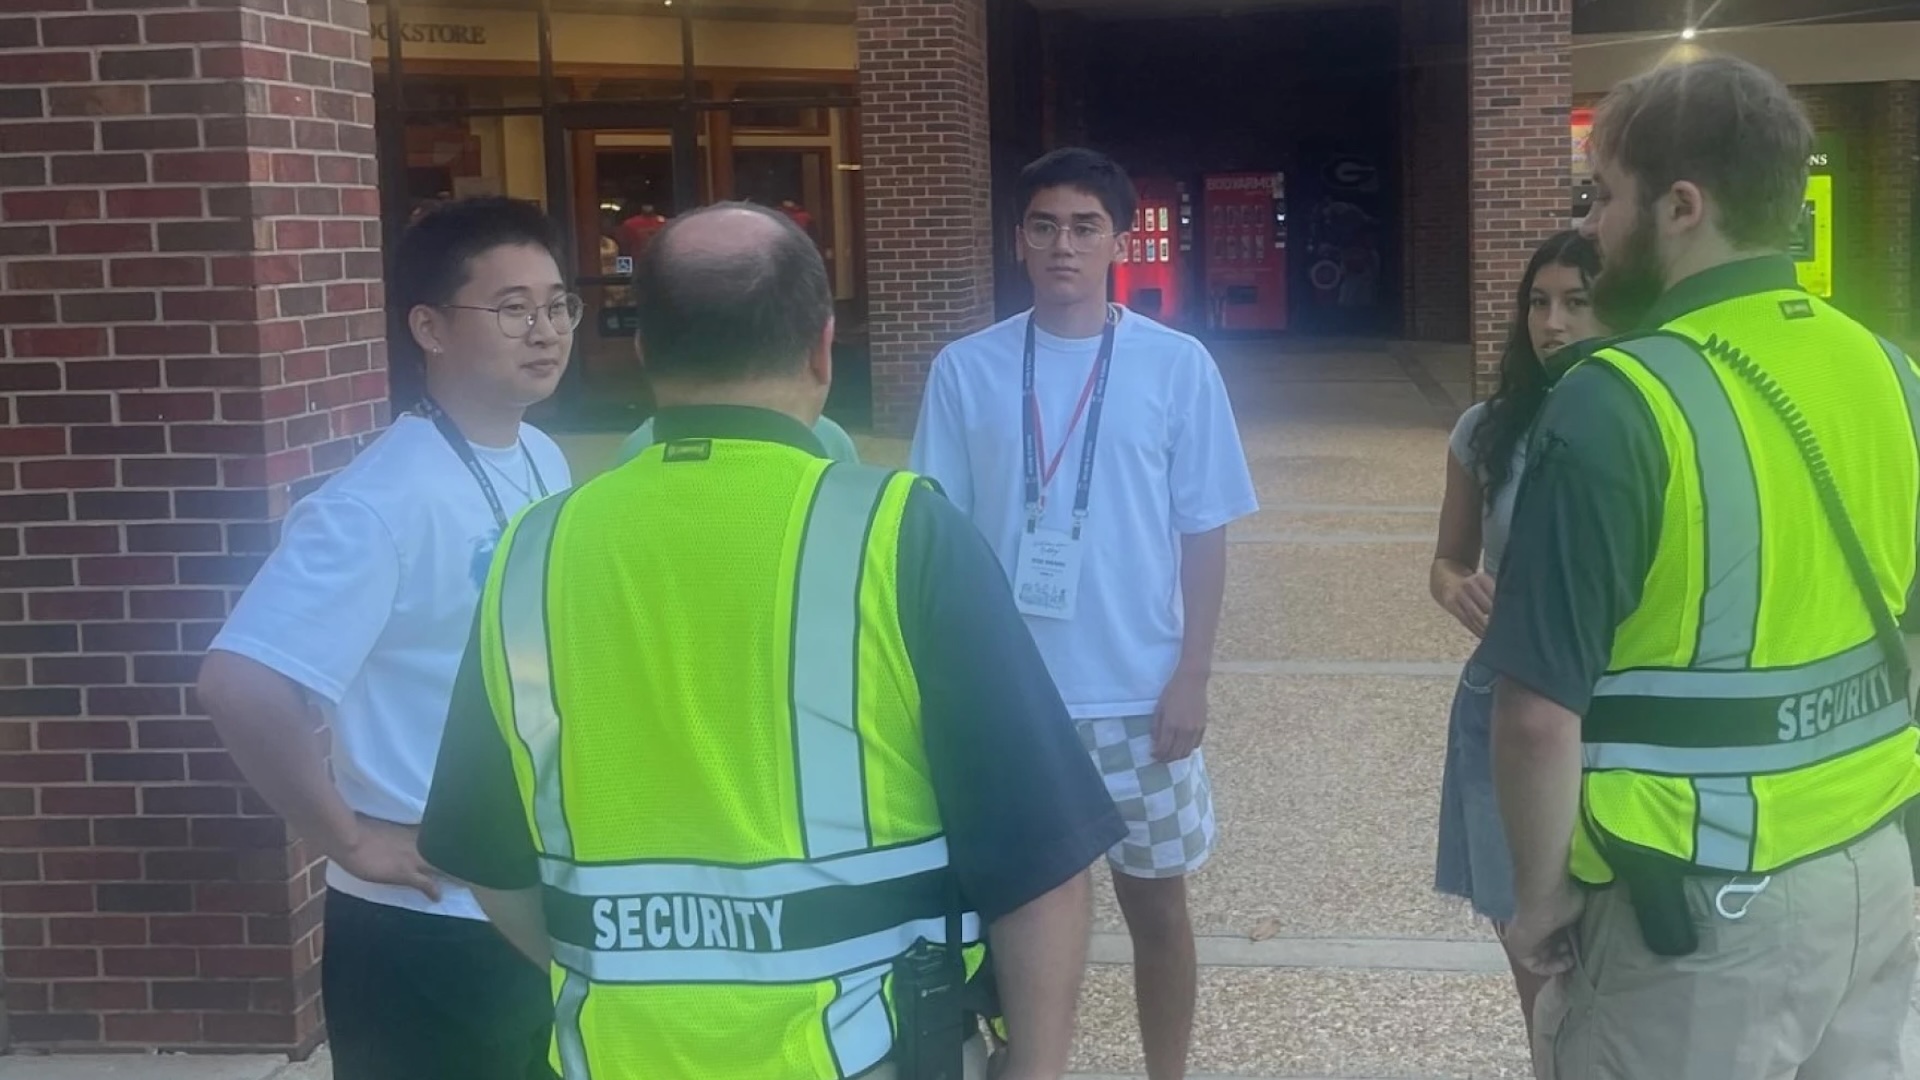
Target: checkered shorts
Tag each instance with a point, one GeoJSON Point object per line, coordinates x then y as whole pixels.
{"type": "Point", "coordinates": [1168, 808]}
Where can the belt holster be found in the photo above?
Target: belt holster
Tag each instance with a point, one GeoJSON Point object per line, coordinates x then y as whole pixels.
{"type": "Point", "coordinates": [1657, 890]}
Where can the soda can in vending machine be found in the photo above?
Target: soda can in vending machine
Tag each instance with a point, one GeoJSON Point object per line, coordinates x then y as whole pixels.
{"type": "Point", "coordinates": [1165, 254]}
{"type": "Point", "coordinates": [1136, 249]}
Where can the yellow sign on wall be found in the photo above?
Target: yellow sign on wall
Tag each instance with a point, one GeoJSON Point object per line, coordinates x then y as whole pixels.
{"type": "Point", "coordinates": [1813, 246]}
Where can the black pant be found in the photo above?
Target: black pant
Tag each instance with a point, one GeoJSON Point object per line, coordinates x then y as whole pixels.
{"type": "Point", "coordinates": [410, 996]}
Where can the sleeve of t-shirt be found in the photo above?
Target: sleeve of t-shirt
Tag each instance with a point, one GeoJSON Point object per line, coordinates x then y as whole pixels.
{"type": "Point", "coordinates": [321, 600]}
{"type": "Point", "coordinates": [1585, 525]}
{"type": "Point", "coordinates": [1022, 806]}
{"type": "Point", "coordinates": [1461, 441]}
{"type": "Point", "coordinates": [635, 443]}
{"type": "Point", "coordinates": [940, 438]}
{"type": "Point", "coordinates": [474, 829]}
{"type": "Point", "coordinates": [836, 442]}
{"type": "Point", "coordinates": [1211, 483]}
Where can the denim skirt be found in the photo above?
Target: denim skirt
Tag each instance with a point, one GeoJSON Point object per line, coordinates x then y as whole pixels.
{"type": "Point", "coordinates": [1472, 861]}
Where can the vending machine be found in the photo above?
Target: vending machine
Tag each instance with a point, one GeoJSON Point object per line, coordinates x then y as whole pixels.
{"type": "Point", "coordinates": [1245, 219]}
{"type": "Point", "coordinates": [1149, 278]}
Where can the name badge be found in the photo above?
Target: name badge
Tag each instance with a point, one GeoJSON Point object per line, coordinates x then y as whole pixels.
{"type": "Point", "coordinates": [1046, 579]}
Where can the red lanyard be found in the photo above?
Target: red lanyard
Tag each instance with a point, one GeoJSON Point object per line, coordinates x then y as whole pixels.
{"type": "Point", "coordinates": [1052, 465]}
{"type": "Point", "coordinates": [1040, 471]}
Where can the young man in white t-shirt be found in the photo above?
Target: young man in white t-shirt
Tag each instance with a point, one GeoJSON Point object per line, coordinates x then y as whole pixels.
{"type": "Point", "coordinates": [1097, 452]}
{"type": "Point", "coordinates": [363, 612]}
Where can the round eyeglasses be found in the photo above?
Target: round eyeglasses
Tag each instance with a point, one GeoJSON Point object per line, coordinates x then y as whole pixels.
{"type": "Point", "coordinates": [519, 317]}
{"type": "Point", "coordinates": [1084, 236]}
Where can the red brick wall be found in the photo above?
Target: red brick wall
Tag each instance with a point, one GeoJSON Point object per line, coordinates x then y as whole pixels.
{"type": "Point", "coordinates": [191, 316]}
{"type": "Point", "coordinates": [1893, 159]}
{"type": "Point", "coordinates": [1521, 72]}
{"type": "Point", "coordinates": [927, 178]}
{"type": "Point", "coordinates": [1435, 271]}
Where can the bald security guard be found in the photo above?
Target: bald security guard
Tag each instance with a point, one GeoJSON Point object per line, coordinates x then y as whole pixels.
{"type": "Point", "coordinates": [749, 743]}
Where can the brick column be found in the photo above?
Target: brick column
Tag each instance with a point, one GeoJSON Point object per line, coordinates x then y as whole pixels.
{"type": "Point", "coordinates": [1894, 174]}
{"type": "Point", "coordinates": [1521, 74]}
{"type": "Point", "coordinates": [1433, 135]}
{"type": "Point", "coordinates": [927, 176]}
{"type": "Point", "coordinates": [192, 327]}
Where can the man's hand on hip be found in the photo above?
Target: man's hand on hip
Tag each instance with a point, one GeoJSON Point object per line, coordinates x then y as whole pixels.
{"type": "Point", "coordinates": [1541, 935]}
{"type": "Point", "coordinates": [388, 854]}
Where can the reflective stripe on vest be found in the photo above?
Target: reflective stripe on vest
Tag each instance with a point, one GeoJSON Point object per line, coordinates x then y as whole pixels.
{"type": "Point", "coordinates": [1743, 722]}
{"type": "Point", "coordinates": [664, 922]}
{"type": "Point", "coordinates": [523, 635]}
{"type": "Point", "coordinates": [1910, 390]}
{"type": "Point", "coordinates": [1718, 723]}
{"type": "Point", "coordinates": [1730, 606]}
{"type": "Point", "coordinates": [833, 790]}
{"type": "Point", "coordinates": [841, 915]}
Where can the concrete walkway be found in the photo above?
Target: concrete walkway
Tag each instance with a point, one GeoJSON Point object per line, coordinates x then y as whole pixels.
{"type": "Point", "coordinates": [165, 1067]}
{"type": "Point", "coordinates": [1325, 953]}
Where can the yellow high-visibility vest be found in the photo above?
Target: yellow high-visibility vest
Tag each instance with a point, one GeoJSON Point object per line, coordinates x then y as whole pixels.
{"type": "Point", "coordinates": [698, 667]}
{"type": "Point", "coordinates": [1748, 719]}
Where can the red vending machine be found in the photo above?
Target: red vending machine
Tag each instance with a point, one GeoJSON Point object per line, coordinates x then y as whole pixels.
{"type": "Point", "coordinates": [1246, 247]}
{"type": "Point", "coordinates": [1149, 276]}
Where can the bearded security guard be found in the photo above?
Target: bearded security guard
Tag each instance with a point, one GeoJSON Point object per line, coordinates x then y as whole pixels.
{"type": "Point", "coordinates": [1703, 744]}
{"type": "Point", "coordinates": [747, 740]}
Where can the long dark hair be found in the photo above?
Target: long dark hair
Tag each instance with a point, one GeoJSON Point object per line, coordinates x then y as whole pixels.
{"type": "Point", "coordinates": [1523, 379]}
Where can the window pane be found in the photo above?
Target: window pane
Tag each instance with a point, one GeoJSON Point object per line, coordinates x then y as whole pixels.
{"type": "Point", "coordinates": [478, 155]}
{"type": "Point", "coordinates": [786, 110]}
{"type": "Point", "coordinates": [591, 89]}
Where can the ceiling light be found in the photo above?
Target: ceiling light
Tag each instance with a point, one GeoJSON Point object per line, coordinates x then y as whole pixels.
{"type": "Point", "coordinates": [1685, 35]}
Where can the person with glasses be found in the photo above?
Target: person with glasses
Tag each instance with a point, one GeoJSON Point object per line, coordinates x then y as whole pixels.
{"type": "Point", "coordinates": [1097, 451]}
{"type": "Point", "coordinates": [362, 614]}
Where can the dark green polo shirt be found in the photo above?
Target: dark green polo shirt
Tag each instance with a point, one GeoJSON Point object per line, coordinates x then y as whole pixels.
{"type": "Point", "coordinates": [1022, 805]}
{"type": "Point", "coordinates": [1587, 517]}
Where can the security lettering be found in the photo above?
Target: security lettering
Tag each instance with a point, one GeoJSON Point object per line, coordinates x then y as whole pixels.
{"type": "Point", "coordinates": [1804, 716]}
{"type": "Point", "coordinates": [687, 922]}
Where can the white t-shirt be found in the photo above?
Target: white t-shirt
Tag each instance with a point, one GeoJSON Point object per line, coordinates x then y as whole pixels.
{"type": "Point", "coordinates": [1168, 462]}
{"type": "Point", "coordinates": [1496, 517]}
{"type": "Point", "coordinates": [368, 602]}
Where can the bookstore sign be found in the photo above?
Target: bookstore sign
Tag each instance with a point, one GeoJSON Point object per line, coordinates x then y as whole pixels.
{"type": "Point", "coordinates": [434, 33]}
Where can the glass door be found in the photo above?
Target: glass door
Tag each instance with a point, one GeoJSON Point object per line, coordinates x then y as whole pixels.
{"type": "Point", "coordinates": [797, 181]}
{"type": "Point", "coordinates": [628, 170]}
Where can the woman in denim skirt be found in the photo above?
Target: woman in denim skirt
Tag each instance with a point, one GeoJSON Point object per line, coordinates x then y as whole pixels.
{"type": "Point", "coordinates": [1486, 456]}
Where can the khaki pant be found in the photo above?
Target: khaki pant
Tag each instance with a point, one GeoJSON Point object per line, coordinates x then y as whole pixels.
{"type": "Point", "coordinates": [1814, 982]}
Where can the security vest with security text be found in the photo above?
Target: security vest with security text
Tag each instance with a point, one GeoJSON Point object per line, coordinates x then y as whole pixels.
{"type": "Point", "coordinates": [1749, 718]}
{"type": "Point", "coordinates": [697, 663]}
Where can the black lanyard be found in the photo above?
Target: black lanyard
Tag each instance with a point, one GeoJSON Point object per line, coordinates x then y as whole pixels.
{"type": "Point", "coordinates": [1102, 365]}
{"type": "Point", "coordinates": [463, 450]}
